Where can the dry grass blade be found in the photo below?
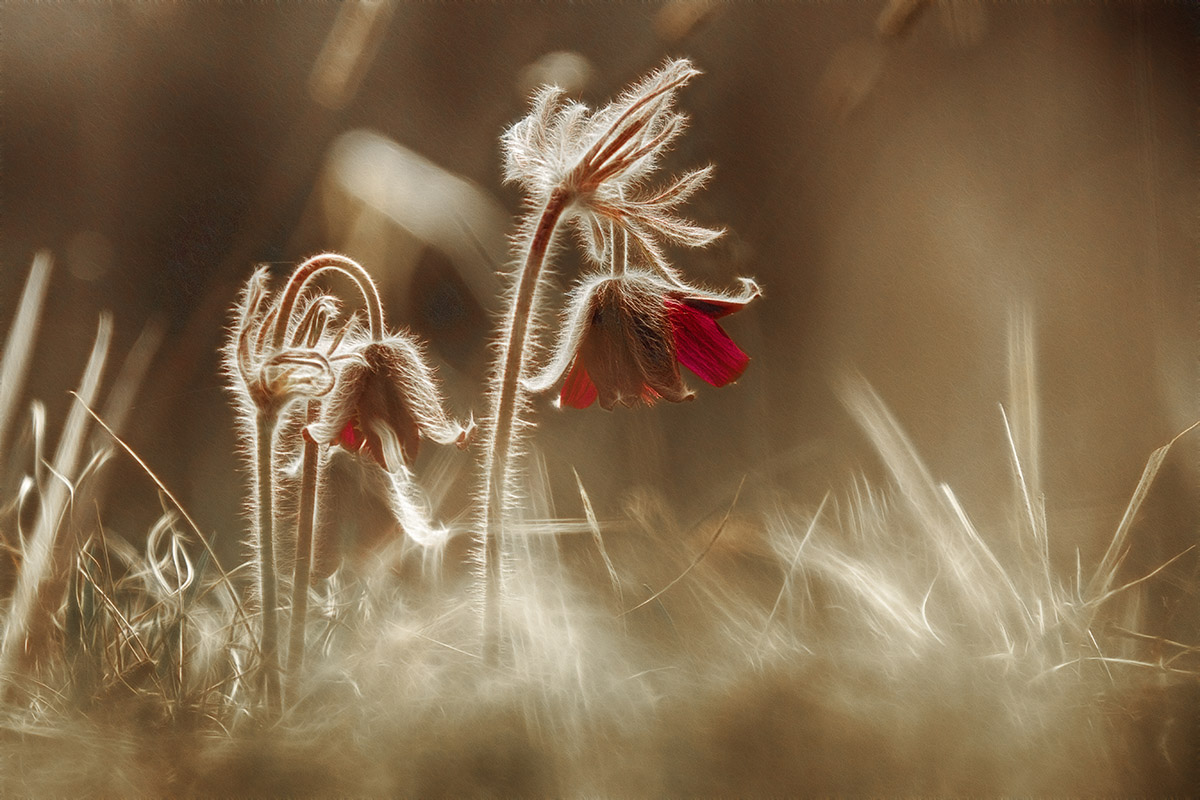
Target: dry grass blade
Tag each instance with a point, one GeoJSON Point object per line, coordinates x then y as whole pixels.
{"type": "Point", "coordinates": [120, 397]}
{"type": "Point", "coordinates": [1034, 513]}
{"type": "Point", "coordinates": [893, 445]}
{"type": "Point", "coordinates": [21, 336]}
{"type": "Point", "coordinates": [885, 602]}
{"type": "Point", "coordinates": [1023, 407]}
{"type": "Point", "coordinates": [224, 576]}
{"type": "Point", "coordinates": [990, 557]}
{"type": "Point", "coordinates": [594, 527]}
{"type": "Point", "coordinates": [1106, 572]}
{"type": "Point", "coordinates": [1114, 592]}
{"type": "Point", "coordinates": [955, 547]}
{"type": "Point", "coordinates": [38, 555]}
{"type": "Point", "coordinates": [791, 570]}
{"type": "Point", "coordinates": [699, 557]}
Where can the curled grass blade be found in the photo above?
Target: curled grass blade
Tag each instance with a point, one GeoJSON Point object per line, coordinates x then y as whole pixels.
{"type": "Point", "coordinates": [210, 553]}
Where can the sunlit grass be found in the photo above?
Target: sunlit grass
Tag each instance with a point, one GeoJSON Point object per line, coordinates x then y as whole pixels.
{"type": "Point", "coordinates": [878, 642]}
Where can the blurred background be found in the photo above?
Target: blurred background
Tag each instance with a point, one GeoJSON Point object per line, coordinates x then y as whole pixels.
{"type": "Point", "coordinates": [901, 178]}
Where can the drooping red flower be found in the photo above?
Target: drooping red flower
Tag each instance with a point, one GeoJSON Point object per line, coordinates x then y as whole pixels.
{"type": "Point", "coordinates": [626, 336]}
{"type": "Point", "coordinates": [385, 401]}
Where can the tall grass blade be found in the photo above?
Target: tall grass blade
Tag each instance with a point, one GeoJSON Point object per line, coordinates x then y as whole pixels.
{"type": "Point", "coordinates": [1101, 582]}
{"type": "Point", "coordinates": [14, 365]}
{"type": "Point", "coordinates": [791, 570]}
{"type": "Point", "coordinates": [121, 394]}
{"type": "Point", "coordinates": [958, 553]}
{"type": "Point", "coordinates": [38, 556]}
{"type": "Point", "coordinates": [1034, 514]}
{"type": "Point", "coordinates": [594, 527]}
{"type": "Point", "coordinates": [1023, 408]}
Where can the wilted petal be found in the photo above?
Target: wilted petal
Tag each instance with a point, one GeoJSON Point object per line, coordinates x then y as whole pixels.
{"type": "Point", "coordinates": [386, 394]}
{"type": "Point", "coordinates": [411, 510]}
{"type": "Point", "coordinates": [703, 347]}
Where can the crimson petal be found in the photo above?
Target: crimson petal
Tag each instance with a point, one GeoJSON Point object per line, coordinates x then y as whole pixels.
{"type": "Point", "coordinates": [578, 390]}
{"type": "Point", "coordinates": [703, 347]}
{"type": "Point", "coordinates": [349, 437]}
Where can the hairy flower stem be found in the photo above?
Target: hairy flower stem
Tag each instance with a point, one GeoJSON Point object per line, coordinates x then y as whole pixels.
{"type": "Point", "coordinates": [512, 360]}
{"type": "Point", "coordinates": [269, 644]}
{"type": "Point", "coordinates": [304, 553]}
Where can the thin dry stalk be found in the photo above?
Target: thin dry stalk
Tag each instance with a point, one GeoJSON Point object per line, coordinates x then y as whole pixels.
{"type": "Point", "coordinates": [225, 579]}
{"type": "Point", "coordinates": [594, 527]}
{"type": "Point", "coordinates": [1102, 580]}
{"type": "Point", "coordinates": [695, 561]}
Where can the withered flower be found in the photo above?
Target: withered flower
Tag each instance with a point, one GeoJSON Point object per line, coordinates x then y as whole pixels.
{"type": "Point", "coordinates": [385, 400]}
{"type": "Point", "coordinates": [627, 334]}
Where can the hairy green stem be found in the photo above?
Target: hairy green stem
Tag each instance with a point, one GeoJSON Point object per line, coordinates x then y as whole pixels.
{"type": "Point", "coordinates": [269, 643]}
{"type": "Point", "coordinates": [512, 361]}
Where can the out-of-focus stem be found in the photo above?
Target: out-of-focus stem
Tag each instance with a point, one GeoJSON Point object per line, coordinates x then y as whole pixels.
{"type": "Point", "coordinates": [512, 363]}
{"type": "Point", "coordinates": [304, 553]}
{"type": "Point", "coordinates": [269, 643]}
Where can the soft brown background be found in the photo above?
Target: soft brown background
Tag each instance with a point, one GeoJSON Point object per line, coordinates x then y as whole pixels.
{"type": "Point", "coordinates": [1046, 160]}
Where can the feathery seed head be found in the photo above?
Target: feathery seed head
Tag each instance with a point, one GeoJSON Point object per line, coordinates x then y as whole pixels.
{"type": "Point", "coordinates": [601, 160]}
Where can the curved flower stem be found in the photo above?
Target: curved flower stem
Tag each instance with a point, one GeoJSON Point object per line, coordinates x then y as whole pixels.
{"type": "Point", "coordinates": [265, 423]}
{"type": "Point", "coordinates": [304, 553]}
{"type": "Point", "coordinates": [308, 271]}
{"type": "Point", "coordinates": [496, 465]}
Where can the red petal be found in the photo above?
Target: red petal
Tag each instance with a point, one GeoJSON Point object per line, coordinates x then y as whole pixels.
{"type": "Point", "coordinates": [578, 390]}
{"type": "Point", "coordinates": [702, 347]}
{"type": "Point", "coordinates": [350, 437]}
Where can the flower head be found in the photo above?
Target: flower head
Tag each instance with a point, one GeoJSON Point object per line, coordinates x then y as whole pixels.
{"type": "Point", "coordinates": [600, 160]}
{"type": "Point", "coordinates": [627, 334]}
{"type": "Point", "coordinates": [272, 377]}
{"type": "Point", "coordinates": [384, 402]}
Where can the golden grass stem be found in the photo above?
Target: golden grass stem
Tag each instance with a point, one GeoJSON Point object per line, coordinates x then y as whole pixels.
{"type": "Point", "coordinates": [699, 557]}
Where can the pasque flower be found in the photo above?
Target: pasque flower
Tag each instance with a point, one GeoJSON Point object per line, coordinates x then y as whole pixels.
{"type": "Point", "coordinates": [626, 335]}
{"type": "Point", "coordinates": [366, 390]}
{"type": "Point", "coordinates": [630, 331]}
{"type": "Point", "coordinates": [384, 401]}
